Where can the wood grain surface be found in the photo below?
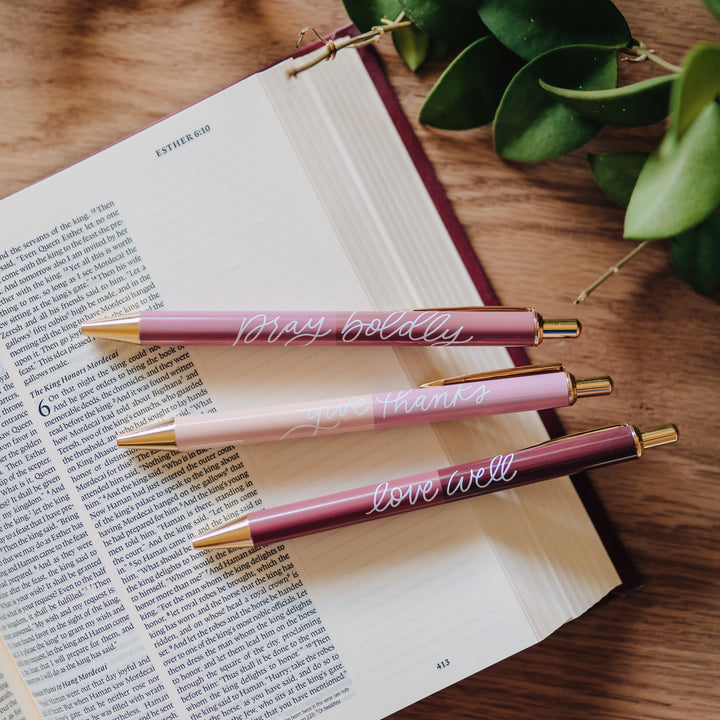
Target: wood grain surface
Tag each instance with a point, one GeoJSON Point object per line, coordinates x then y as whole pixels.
{"type": "Point", "coordinates": [77, 75]}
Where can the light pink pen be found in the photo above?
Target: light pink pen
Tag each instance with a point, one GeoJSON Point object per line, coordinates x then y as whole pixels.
{"type": "Point", "coordinates": [497, 326]}
{"type": "Point", "coordinates": [505, 391]}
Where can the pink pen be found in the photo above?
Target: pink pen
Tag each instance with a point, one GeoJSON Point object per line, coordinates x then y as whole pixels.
{"type": "Point", "coordinates": [564, 456]}
{"type": "Point", "coordinates": [531, 387]}
{"type": "Point", "coordinates": [500, 326]}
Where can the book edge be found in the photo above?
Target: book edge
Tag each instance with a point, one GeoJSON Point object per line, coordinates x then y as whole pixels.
{"type": "Point", "coordinates": [629, 576]}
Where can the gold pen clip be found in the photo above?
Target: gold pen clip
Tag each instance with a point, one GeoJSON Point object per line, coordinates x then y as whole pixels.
{"type": "Point", "coordinates": [522, 370]}
{"type": "Point", "coordinates": [558, 329]}
{"type": "Point", "coordinates": [472, 308]}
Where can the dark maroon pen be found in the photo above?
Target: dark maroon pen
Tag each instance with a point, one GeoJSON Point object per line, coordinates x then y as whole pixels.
{"type": "Point", "coordinates": [563, 456]}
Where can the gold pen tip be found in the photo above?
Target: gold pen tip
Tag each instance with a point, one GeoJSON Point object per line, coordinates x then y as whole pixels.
{"type": "Point", "coordinates": [234, 534]}
{"type": "Point", "coordinates": [123, 328]}
{"type": "Point", "coordinates": [202, 541]}
{"type": "Point", "coordinates": [152, 437]}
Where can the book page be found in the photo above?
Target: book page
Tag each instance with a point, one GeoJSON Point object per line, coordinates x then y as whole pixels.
{"type": "Point", "coordinates": [106, 609]}
{"type": "Point", "coordinates": [16, 703]}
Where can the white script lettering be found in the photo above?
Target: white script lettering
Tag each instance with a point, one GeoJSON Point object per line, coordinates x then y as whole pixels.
{"type": "Point", "coordinates": [429, 328]}
{"type": "Point", "coordinates": [272, 329]}
{"type": "Point", "coordinates": [412, 402]}
{"type": "Point", "coordinates": [479, 478]}
{"type": "Point", "coordinates": [322, 418]}
{"type": "Point", "coordinates": [386, 497]}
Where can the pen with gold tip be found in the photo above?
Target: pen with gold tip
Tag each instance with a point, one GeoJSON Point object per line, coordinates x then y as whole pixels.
{"type": "Point", "coordinates": [497, 326]}
{"type": "Point", "coordinates": [564, 456]}
{"type": "Point", "coordinates": [532, 387]}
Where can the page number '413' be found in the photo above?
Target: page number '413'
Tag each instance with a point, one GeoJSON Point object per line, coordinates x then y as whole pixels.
{"type": "Point", "coordinates": [443, 664]}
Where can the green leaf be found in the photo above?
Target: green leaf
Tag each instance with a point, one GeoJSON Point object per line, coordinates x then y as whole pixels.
{"type": "Point", "coordinates": [697, 86]}
{"type": "Point", "coordinates": [367, 13]}
{"type": "Point", "coordinates": [412, 45]}
{"type": "Point", "coordinates": [532, 125]}
{"type": "Point", "coordinates": [642, 103]}
{"type": "Point", "coordinates": [617, 172]}
{"type": "Point", "coordinates": [679, 185]}
{"type": "Point", "coordinates": [695, 254]}
{"type": "Point", "coordinates": [467, 94]}
{"type": "Point", "coordinates": [532, 27]}
{"type": "Point", "coordinates": [714, 7]}
{"type": "Point", "coordinates": [453, 20]}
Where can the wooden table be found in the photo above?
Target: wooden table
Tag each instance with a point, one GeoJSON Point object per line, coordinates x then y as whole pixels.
{"type": "Point", "coordinates": [77, 75]}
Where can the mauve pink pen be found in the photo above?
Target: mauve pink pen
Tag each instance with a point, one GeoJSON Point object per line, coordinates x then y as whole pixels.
{"type": "Point", "coordinates": [563, 456]}
{"type": "Point", "coordinates": [498, 326]}
{"type": "Point", "coordinates": [532, 387]}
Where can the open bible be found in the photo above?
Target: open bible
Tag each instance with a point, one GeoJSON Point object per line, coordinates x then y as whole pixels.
{"type": "Point", "coordinates": [276, 193]}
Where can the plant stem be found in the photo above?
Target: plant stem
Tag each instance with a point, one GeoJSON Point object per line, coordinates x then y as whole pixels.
{"type": "Point", "coordinates": [332, 47]}
{"type": "Point", "coordinates": [610, 272]}
{"type": "Point", "coordinates": [641, 52]}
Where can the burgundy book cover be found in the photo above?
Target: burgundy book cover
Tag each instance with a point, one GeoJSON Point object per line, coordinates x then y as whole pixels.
{"type": "Point", "coordinates": [623, 564]}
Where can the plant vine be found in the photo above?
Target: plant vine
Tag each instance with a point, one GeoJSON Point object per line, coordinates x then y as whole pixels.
{"type": "Point", "coordinates": [544, 73]}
